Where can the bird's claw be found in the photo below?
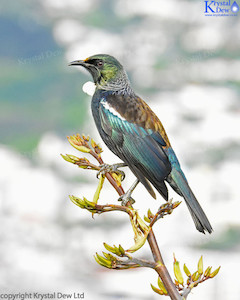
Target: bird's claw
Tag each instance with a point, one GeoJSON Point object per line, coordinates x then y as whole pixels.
{"type": "Point", "coordinates": [127, 196]}
{"type": "Point", "coordinates": [105, 168]}
{"type": "Point", "coordinates": [125, 199]}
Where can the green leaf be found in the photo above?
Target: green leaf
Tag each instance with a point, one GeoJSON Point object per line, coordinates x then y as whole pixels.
{"type": "Point", "coordinates": [141, 241]}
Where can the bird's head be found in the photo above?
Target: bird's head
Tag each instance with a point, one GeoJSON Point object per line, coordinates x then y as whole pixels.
{"type": "Point", "coordinates": [103, 68]}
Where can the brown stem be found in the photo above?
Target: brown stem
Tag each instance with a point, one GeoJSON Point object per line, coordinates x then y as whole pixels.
{"type": "Point", "coordinates": [161, 268]}
{"type": "Point", "coordinates": [119, 189]}
{"type": "Point", "coordinates": [110, 207]}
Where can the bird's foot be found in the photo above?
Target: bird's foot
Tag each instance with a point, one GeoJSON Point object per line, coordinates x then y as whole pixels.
{"type": "Point", "coordinates": [105, 168]}
{"type": "Point", "coordinates": [127, 196]}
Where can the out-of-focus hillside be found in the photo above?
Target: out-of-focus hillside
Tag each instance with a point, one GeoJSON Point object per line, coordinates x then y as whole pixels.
{"type": "Point", "coordinates": [37, 92]}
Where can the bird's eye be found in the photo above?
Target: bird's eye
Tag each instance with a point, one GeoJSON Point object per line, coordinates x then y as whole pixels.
{"type": "Point", "coordinates": [100, 63]}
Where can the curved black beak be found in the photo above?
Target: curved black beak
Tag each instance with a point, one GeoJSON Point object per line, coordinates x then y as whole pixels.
{"type": "Point", "coordinates": [90, 67]}
{"type": "Point", "coordinates": [77, 63]}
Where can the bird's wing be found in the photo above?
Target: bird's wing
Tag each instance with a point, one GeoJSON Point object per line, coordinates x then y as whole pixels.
{"type": "Point", "coordinates": [136, 138]}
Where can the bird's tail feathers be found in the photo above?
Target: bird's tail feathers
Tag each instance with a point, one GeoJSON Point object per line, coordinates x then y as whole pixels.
{"type": "Point", "coordinates": [179, 183]}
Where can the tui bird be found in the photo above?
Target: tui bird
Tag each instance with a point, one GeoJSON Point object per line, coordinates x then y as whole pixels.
{"type": "Point", "coordinates": [134, 133]}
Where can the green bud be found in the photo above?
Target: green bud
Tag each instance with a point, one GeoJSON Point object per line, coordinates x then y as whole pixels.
{"type": "Point", "coordinates": [86, 138]}
{"type": "Point", "coordinates": [214, 273]}
{"type": "Point", "coordinates": [150, 214]}
{"type": "Point", "coordinates": [109, 248]}
{"type": "Point", "coordinates": [99, 188]}
{"type": "Point", "coordinates": [122, 251]}
{"type": "Point", "coordinates": [163, 206]}
{"type": "Point", "coordinates": [93, 143]}
{"type": "Point", "coordinates": [96, 147]}
{"type": "Point", "coordinates": [73, 157]}
{"type": "Point", "coordinates": [77, 142]}
{"type": "Point", "coordinates": [195, 276]}
{"type": "Point", "coordinates": [186, 270]}
{"type": "Point", "coordinates": [83, 149]}
{"type": "Point", "coordinates": [200, 266]}
{"type": "Point", "coordinates": [175, 204]}
{"type": "Point", "coordinates": [160, 292]}
{"type": "Point", "coordinates": [109, 256]}
{"type": "Point", "coordinates": [207, 271]}
{"type": "Point", "coordinates": [89, 203]}
{"type": "Point", "coordinates": [146, 219]}
{"type": "Point", "coordinates": [77, 201]}
{"type": "Point", "coordinates": [161, 286]}
{"type": "Point", "coordinates": [117, 251]}
{"type": "Point", "coordinates": [67, 158]}
{"type": "Point", "coordinates": [177, 272]}
{"type": "Point", "coordinates": [103, 261]}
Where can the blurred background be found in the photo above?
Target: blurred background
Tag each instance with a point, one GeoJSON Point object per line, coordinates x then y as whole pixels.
{"type": "Point", "coordinates": [186, 66]}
